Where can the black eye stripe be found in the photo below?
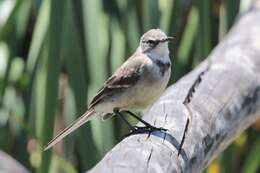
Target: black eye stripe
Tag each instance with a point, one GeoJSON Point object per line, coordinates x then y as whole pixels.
{"type": "Point", "coordinates": [152, 42]}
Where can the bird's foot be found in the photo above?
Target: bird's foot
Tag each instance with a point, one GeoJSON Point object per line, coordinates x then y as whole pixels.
{"type": "Point", "coordinates": [147, 128]}
{"type": "Point", "coordinates": [144, 129]}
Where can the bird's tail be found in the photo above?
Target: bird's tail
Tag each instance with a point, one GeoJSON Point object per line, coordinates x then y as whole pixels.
{"type": "Point", "coordinates": [73, 126]}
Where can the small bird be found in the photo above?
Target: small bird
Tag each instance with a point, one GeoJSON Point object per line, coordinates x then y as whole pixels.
{"type": "Point", "coordinates": [134, 86]}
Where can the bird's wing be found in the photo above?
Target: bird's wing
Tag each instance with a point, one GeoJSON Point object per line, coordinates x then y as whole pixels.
{"type": "Point", "coordinates": [73, 126]}
{"type": "Point", "coordinates": [126, 76]}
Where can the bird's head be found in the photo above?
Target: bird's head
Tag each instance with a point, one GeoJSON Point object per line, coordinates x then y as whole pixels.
{"type": "Point", "coordinates": [155, 42]}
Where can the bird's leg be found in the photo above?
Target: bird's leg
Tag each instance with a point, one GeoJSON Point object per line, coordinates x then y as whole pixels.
{"type": "Point", "coordinates": [146, 128]}
{"type": "Point", "coordinates": [133, 129]}
{"type": "Point", "coordinates": [119, 114]}
{"type": "Point", "coordinates": [137, 129]}
{"type": "Point", "coordinates": [183, 136]}
{"type": "Point", "coordinates": [138, 118]}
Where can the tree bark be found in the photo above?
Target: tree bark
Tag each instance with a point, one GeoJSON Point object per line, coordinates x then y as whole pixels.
{"type": "Point", "coordinates": [222, 97]}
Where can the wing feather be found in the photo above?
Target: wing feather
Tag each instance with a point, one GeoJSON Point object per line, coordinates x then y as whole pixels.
{"type": "Point", "coordinates": [126, 76]}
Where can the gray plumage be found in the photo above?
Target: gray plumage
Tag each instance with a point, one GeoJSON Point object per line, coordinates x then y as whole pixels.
{"type": "Point", "coordinates": [134, 86]}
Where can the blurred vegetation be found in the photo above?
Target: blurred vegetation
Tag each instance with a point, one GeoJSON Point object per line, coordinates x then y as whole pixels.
{"type": "Point", "coordinates": [54, 55]}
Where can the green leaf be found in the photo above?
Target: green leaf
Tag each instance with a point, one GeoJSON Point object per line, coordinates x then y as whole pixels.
{"type": "Point", "coordinates": [204, 36]}
{"type": "Point", "coordinates": [47, 82]}
{"type": "Point", "coordinates": [150, 14]}
{"type": "Point", "coordinates": [74, 54]}
{"type": "Point", "coordinates": [252, 160]}
{"type": "Point", "coordinates": [13, 32]}
{"type": "Point", "coordinates": [228, 12]}
{"type": "Point", "coordinates": [39, 36]}
{"type": "Point", "coordinates": [184, 58]}
{"type": "Point", "coordinates": [96, 43]}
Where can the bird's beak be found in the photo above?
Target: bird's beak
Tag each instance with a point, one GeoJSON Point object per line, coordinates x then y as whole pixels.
{"type": "Point", "coordinates": [167, 39]}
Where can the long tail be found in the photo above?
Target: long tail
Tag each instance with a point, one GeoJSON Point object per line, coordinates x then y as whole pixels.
{"type": "Point", "coordinates": [73, 126]}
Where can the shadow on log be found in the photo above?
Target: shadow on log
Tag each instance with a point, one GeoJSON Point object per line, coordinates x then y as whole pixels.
{"type": "Point", "coordinates": [222, 97]}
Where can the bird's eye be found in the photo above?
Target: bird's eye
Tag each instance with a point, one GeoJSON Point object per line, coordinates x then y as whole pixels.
{"type": "Point", "coordinates": [151, 42]}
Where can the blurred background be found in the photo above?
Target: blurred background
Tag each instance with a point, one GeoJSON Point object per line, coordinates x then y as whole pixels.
{"type": "Point", "coordinates": [54, 56]}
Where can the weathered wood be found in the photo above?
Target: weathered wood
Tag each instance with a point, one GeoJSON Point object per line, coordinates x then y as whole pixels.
{"type": "Point", "coordinates": [225, 100]}
{"type": "Point", "coordinates": [8, 164]}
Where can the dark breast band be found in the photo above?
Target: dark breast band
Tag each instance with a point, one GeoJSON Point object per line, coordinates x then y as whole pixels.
{"type": "Point", "coordinates": [163, 66]}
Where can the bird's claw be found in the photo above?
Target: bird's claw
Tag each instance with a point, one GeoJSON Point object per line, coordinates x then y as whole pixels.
{"type": "Point", "coordinates": [144, 129]}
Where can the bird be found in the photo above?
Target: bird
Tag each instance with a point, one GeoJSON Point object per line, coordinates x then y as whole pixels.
{"type": "Point", "coordinates": [134, 86]}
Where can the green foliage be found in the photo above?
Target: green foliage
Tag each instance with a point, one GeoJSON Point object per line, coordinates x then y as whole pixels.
{"type": "Point", "coordinates": [54, 55]}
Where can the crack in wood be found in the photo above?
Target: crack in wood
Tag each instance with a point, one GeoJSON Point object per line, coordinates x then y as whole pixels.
{"type": "Point", "coordinates": [165, 118]}
{"type": "Point", "coordinates": [195, 85]}
{"type": "Point", "coordinates": [154, 123]}
{"type": "Point", "coordinates": [187, 100]}
{"type": "Point", "coordinates": [149, 157]}
{"type": "Point", "coordinates": [208, 142]}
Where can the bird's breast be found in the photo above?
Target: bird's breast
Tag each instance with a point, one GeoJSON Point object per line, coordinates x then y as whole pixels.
{"type": "Point", "coordinates": [163, 66]}
{"type": "Point", "coordinates": [152, 85]}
